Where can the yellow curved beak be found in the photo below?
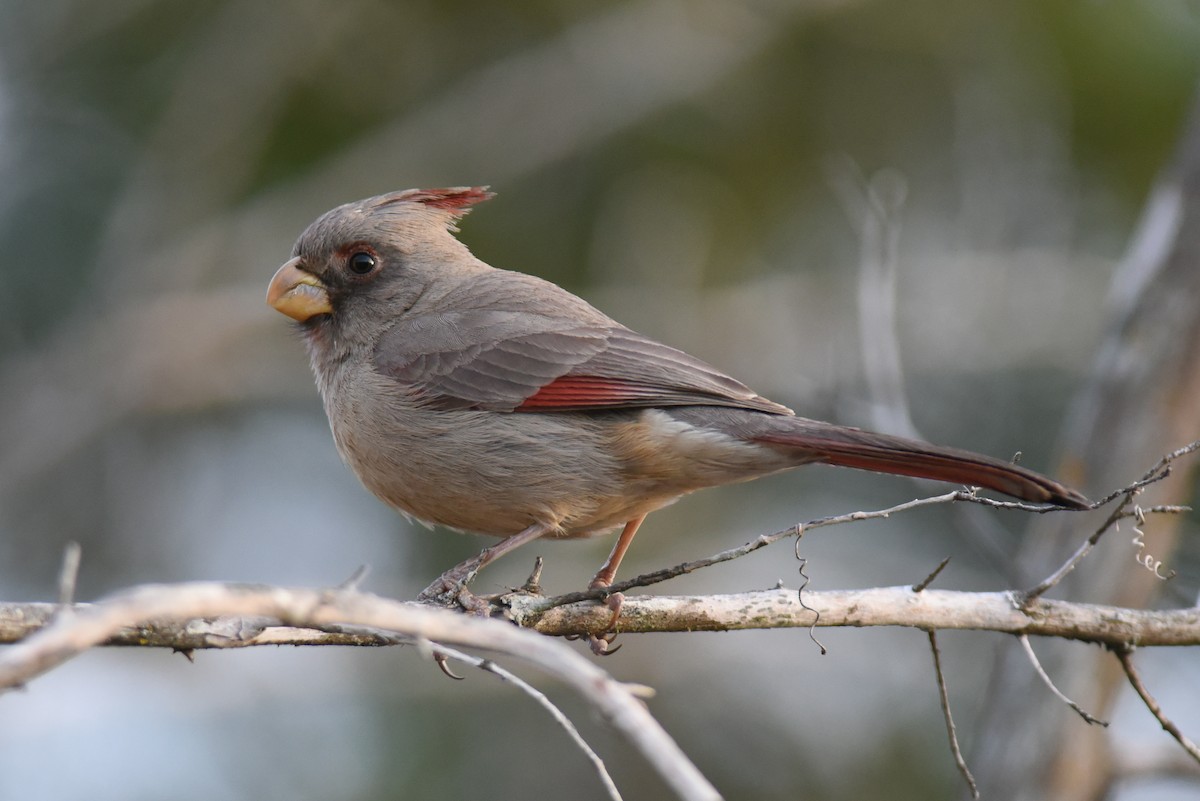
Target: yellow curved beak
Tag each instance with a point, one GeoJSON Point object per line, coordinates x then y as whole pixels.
{"type": "Point", "coordinates": [296, 293]}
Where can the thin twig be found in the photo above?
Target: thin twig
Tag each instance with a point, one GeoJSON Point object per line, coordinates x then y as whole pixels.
{"type": "Point", "coordinates": [1037, 666]}
{"type": "Point", "coordinates": [537, 695]}
{"type": "Point", "coordinates": [970, 496]}
{"type": "Point", "coordinates": [937, 571]}
{"type": "Point", "coordinates": [1157, 473]}
{"type": "Point", "coordinates": [1160, 470]}
{"type": "Point", "coordinates": [1119, 513]}
{"type": "Point", "coordinates": [1078, 556]}
{"type": "Point", "coordinates": [1125, 655]}
{"type": "Point", "coordinates": [658, 576]}
{"type": "Point", "coordinates": [950, 730]}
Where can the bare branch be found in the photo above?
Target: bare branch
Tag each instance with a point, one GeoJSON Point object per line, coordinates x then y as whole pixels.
{"type": "Point", "coordinates": [951, 732]}
{"type": "Point", "coordinates": [1037, 666]}
{"type": "Point", "coordinates": [1125, 655]}
{"type": "Point", "coordinates": [884, 606]}
{"type": "Point", "coordinates": [763, 609]}
{"type": "Point", "coordinates": [70, 635]}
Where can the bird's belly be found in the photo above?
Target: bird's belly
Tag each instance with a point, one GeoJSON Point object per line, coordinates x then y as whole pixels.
{"type": "Point", "coordinates": [490, 473]}
{"type": "Point", "coordinates": [495, 473]}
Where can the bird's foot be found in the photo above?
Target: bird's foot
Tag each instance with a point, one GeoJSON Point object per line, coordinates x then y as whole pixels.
{"type": "Point", "coordinates": [450, 589]}
{"type": "Point", "coordinates": [601, 643]}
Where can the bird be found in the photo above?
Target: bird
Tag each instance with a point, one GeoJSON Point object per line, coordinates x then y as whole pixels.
{"type": "Point", "coordinates": [496, 402]}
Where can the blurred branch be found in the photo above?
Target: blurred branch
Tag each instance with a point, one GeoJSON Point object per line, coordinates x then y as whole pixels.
{"type": "Point", "coordinates": [155, 606]}
{"type": "Point", "coordinates": [1139, 399]}
{"type": "Point", "coordinates": [874, 205]}
{"type": "Point", "coordinates": [181, 351]}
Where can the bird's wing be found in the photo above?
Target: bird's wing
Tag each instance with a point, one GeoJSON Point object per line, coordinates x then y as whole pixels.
{"type": "Point", "coordinates": [515, 361]}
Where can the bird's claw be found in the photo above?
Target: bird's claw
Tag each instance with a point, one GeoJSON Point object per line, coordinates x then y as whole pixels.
{"type": "Point", "coordinates": [443, 663]}
{"type": "Point", "coordinates": [600, 643]}
{"type": "Point", "coordinates": [450, 588]}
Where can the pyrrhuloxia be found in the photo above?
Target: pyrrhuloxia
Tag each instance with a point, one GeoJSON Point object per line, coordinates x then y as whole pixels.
{"type": "Point", "coordinates": [495, 402]}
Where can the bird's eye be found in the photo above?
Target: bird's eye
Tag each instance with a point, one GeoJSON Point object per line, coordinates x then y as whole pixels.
{"type": "Point", "coordinates": [361, 263]}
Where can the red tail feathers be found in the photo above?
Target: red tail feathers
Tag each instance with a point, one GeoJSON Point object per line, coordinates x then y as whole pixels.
{"type": "Point", "coordinates": [866, 450]}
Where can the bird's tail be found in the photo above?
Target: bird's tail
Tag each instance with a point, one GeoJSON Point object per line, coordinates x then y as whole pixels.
{"type": "Point", "coordinates": [866, 450]}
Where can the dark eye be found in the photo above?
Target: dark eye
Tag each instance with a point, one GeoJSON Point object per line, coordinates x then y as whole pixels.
{"type": "Point", "coordinates": [361, 263]}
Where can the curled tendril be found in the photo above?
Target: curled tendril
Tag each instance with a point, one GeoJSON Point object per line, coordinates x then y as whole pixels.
{"type": "Point", "coordinates": [1144, 559]}
{"type": "Point", "coordinates": [800, 593]}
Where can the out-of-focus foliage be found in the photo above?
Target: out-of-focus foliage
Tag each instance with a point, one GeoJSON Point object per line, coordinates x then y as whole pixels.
{"type": "Point", "coordinates": [677, 163]}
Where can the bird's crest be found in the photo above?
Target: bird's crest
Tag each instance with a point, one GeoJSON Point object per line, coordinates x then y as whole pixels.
{"type": "Point", "coordinates": [457, 200]}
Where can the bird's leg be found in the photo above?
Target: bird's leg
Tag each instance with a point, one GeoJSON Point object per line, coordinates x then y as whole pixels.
{"type": "Point", "coordinates": [451, 586]}
{"type": "Point", "coordinates": [603, 579]}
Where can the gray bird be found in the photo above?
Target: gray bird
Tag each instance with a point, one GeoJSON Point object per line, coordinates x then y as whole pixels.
{"type": "Point", "coordinates": [498, 403]}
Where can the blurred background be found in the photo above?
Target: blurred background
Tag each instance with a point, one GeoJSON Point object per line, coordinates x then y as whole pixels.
{"type": "Point", "coordinates": [690, 168]}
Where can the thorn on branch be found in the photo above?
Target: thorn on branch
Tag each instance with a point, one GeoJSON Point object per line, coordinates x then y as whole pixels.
{"type": "Point", "coordinates": [533, 584]}
{"type": "Point", "coordinates": [925, 582]}
{"type": "Point", "coordinates": [356, 579]}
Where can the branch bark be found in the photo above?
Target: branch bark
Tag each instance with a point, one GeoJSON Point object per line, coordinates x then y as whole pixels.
{"type": "Point", "coordinates": [927, 610]}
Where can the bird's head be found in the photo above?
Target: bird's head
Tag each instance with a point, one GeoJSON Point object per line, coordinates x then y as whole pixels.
{"type": "Point", "coordinates": [366, 262]}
